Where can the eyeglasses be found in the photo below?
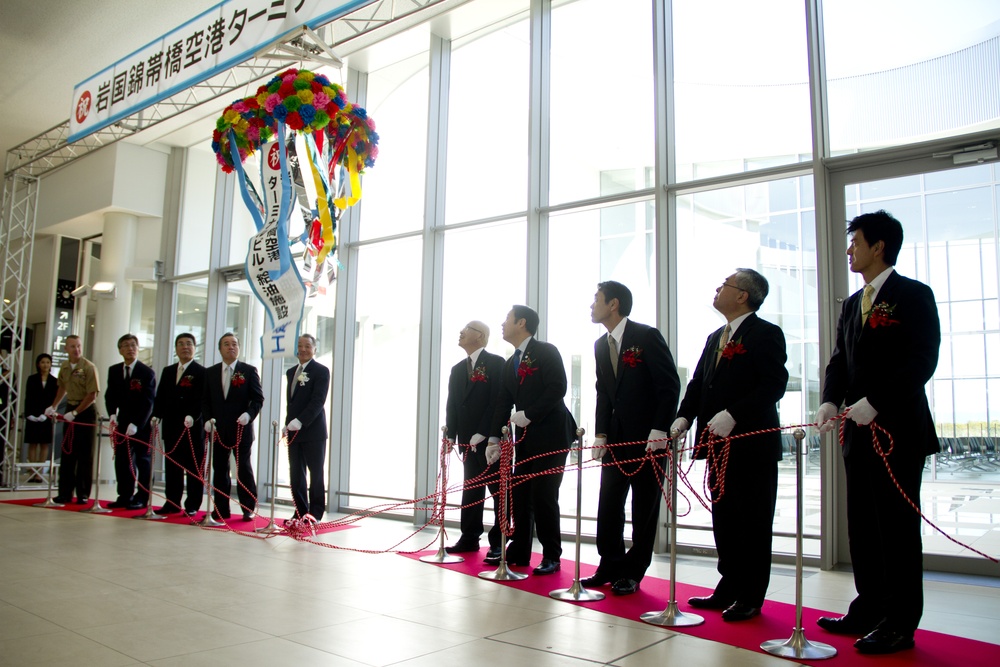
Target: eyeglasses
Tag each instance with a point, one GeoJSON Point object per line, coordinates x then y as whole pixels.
{"type": "Point", "coordinates": [472, 329]}
{"type": "Point", "coordinates": [736, 287]}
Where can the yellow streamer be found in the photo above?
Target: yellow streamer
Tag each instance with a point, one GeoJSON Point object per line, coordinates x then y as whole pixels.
{"type": "Point", "coordinates": [323, 206]}
{"type": "Point", "coordinates": [352, 169]}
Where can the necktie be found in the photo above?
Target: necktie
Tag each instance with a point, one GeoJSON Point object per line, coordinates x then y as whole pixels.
{"type": "Point", "coordinates": [128, 373]}
{"type": "Point", "coordinates": [517, 362]}
{"type": "Point", "coordinates": [295, 378]}
{"type": "Point", "coordinates": [722, 343]}
{"type": "Point", "coordinates": [226, 379]}
{"type": "Point", "coordinates": [866, 303]}
{"type": "Point", "coordinates": [613, 350]}
{"type": "Point", "coordinates": [180, 373]}
{"type": "Point", "coordinates": [468, 367]}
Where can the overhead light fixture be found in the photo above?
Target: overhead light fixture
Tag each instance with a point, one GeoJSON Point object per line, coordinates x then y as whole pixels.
{"type": "Point", "coordinates": [104, 290]}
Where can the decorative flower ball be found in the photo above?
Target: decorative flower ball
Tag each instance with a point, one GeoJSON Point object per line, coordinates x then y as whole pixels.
{"type": "Point", "coordinates": [353, 127]}
{"type": "Point", "coordinates": [304, 101]}
{"type": "Point", "coordinates": [245, 120]}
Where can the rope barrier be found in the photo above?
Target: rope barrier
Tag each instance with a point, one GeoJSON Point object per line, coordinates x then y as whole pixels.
{"type": "Point", "coordinates": [307, 528]}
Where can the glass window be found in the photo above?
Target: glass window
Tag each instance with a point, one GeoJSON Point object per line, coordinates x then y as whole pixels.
{"type": "Point", "coordinates": [488, 126]}
{"type": "Point", "coordinates": [602, 113]}
{"type": "Point", "coordinates": [895, 76]}
{"type": "Point", "coordinates": [191, 315]}
{"type": "Point", "coordinates": [197, 209]}
{"type": "Point", "coordinates": [397, 99]}
{"type": "Point", "coordinates": [748, 232]}
{"type": "Point", "coordinates": [385, 370]}
{"type": "Point", "coordinates": [742, 93]}
{"type": "Point", "coordinates": [142, 319]}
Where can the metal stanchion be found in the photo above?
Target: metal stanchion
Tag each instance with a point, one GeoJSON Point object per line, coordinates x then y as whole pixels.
{"type": "Point", "coordinates": [443, 556]}
{"type": "Point", "coordinates": [577, 591]}
{"type": "Point", "coordinates": [672, 616]}
{"type": "Point", "coordinates": [503, 573]}
{"type": "Point", "coordinates": [207, 521]}
{"type": "Point", "coordinates": [272, 528]}
{"type": "Point", "coordinates": [52, 473]}
{"type": "Point", "coordinates": [797, 646]}
{"type": "Point", "coordinates": [149, 514]}
{"type": "Point", "coordinates": [96, 508]}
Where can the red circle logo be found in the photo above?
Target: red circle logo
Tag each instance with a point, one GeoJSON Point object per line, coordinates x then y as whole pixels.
{"type": "Point", "coordinates": [83, 106]}
{"type": "Point", "coordinates": [274, 157]}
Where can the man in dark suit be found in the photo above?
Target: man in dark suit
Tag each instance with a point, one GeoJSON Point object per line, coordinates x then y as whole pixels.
{"type": "Point", "coordinates": [178, 407]}
{"type": "Point", "coordinates": [472, 389]}
{"type": "Point", "coordinates": [888, 338]}
{"type": "Point", "coordinates": [305, 428]}
{"type": "Point", "coordinates": [637, 391]}
{"type": "Point", "coordinates": [231, 400]}
{"type": "Point", "coordinates": [534, 382]}
{"type": "Point", "coordinates": [735, 389]}
{"type": "Point", "coordinates": [129, 400]}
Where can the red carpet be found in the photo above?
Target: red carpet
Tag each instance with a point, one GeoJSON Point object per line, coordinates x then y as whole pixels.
{"type": "Point", "coordinates": [776, 622]}
{"type": "Point", "coordinates": [236, 522]}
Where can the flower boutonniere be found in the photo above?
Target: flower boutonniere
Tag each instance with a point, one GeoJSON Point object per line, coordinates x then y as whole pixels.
{"type": "Point", "coordinates": [238, 379]}
{"type": "Point", "coordinates": [881, 315]}
{"type": "Point", "coordinates": [733, 348]}
{"type": "Point", "coordinates": [187, 381]}
{"type": "Point", "coordinates": [302, 378]}
{"type": "Point", "coordinates": [479, 375]}
{"type": "Point", "coordinates": [135, 385]}
{"type": "Point", "coordinates": [526, 368]}
{"type": "Point", "coordinates": [631, 356]}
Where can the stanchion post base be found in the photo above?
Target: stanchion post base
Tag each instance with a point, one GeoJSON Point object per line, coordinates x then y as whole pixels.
{"type": "Point", "coordinates": [270, 529]}
{"type": "Point", "coordinates": [671, 617]}
{"type": "Point", "coordinates": [577, 593]}
{"type": "Point", "coordinates": [503, 573]}
{"type": "Point", "coordinates": [209, 522]}
{"type": "Point", "coordinates": [150, 516]}
{"type": "Point", "coordinates": [49, 503]}
{"type": "Point", "coordinates": [442, 556]}
{"type": "Point", "coordinates": [797, 646]}
{"type": "Point", "coordinates": [96, 509]}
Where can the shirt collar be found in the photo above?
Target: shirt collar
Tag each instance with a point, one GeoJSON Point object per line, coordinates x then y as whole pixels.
{"type": "Point", "coordinates": [735, 324]}
{"type": "Point", "coordinates": [879, 280]}
{"type": "Point", "coordinates": [618, 332]}
{"type": "Point", "coordinates": [475, 355]}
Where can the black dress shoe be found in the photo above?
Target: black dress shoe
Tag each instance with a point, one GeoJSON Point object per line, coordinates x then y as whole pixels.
{"type": "Point", "coordinates": [247, 516]}
{"type": "Point", "coordinates": [884, 640]}
{"type": "Point", "coordinates": [845, 625]}
{"type": "Point", "coordinates": [219, 517]}
{"type": "Point", "coordinates": [492, 556]}
{"type": "Point", "coordinates": [625, 587]}
{"type": "Point", "coordinates": [136, 505]}
{"type": "Point", "coordinates": [118, 505]}
{"type": "Point", "coordinates": [710, 602]}
{"type": "Point", "coordinates": [596, 579]}
{"type": "Point", "coordinates": [190, 512]}
{"type": "Point", "coordinates": [461, 547]}
{"type": "Point", "coordinates": [739, 611]}
{"type": "Point", "coordinates": [82, 501]}
{"type": "Point", "coordinates": [60, 500]}
{"type": "Point", "coordinates": [163, 511]}
{"type": "Point", "coordinates": [546, 567]}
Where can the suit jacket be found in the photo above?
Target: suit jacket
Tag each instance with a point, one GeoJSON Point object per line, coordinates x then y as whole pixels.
{"type": "Point", "coordinates": [748, 384]}
{"type": "Point", "coordinates": [177, 400]}
{"type": "Point", "coordinates": [888, 360]}
{"type": "Point", "coordinates": [132, 400]}
{"type": "Point", "coordinates": [469, 409]}
{"type": "Point", "coordinates": [643, 395]}
{"type": "Point", "coordinates": [538, 388]}
{"type": "Point", "coordinates": [308, 405]}
{"type": "Point", "coordinates": [244, 396]}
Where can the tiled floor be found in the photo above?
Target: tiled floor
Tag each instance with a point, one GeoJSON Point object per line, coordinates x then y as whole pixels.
{"type": "Point", "coordinates": [78, 589]}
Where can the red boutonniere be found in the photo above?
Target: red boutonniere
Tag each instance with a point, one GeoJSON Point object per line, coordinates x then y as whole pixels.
{"type": "Point", "coordinates": [238, 379]}
{"type": "Point", "coordinates": [526, 368]}
{"type": "Point", "coordinates": [881, 315]}
{"type": "Point", "coordinates": [187, 381]}
{"type": "Point", "coordinates": [135, 385]}
{"type": "Point", "coordinates": [733, 348]}
{"type": "Point", "coordinates": [630, 357]}
{"type": "Point", "coordinates": [479, 375]}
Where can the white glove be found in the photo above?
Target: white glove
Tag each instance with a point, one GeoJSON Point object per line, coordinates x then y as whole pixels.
{"type": "Point", "coordinates": [721, 424]}
{"type": "Point", "coordinates": [475, 440]}
{"type": "Point", "coordinates": [188, 421]}
{"type": "Point", "coordinates": [293, 425]}
{"type": "Point", "coordinates": [69, 416]}
{"type": "Point", "coordinates": [681, 425]}
{"type": "Point", "coordinates": [657, 440]}
{"type": "Point", "coordinates": [492, 453]}
{"type": "Point", "coordinates": [131, 430]}
{"type": "Point", "coordinates": [862, 412]}
{"type": "Point", "coordinates": [518, 419]}
{"type": "Point", "coordinates": [598, 451]}
{"type": "Point", "coordinates": [33, 418]}
{"type": "Point", "coordinates": [113, 420]}
{"type": "Point", "coordinates": [824, 417]}
{"type": "Point", "coordinates": [50, 411]}
{"type": "Point", "coordinates": [448, 441]}
{"type": "Point", "coordinates": [244, 419]}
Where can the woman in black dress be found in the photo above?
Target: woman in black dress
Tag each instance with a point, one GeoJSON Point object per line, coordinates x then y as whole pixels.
{"type": "Point", "coordinates": [40, 391]}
